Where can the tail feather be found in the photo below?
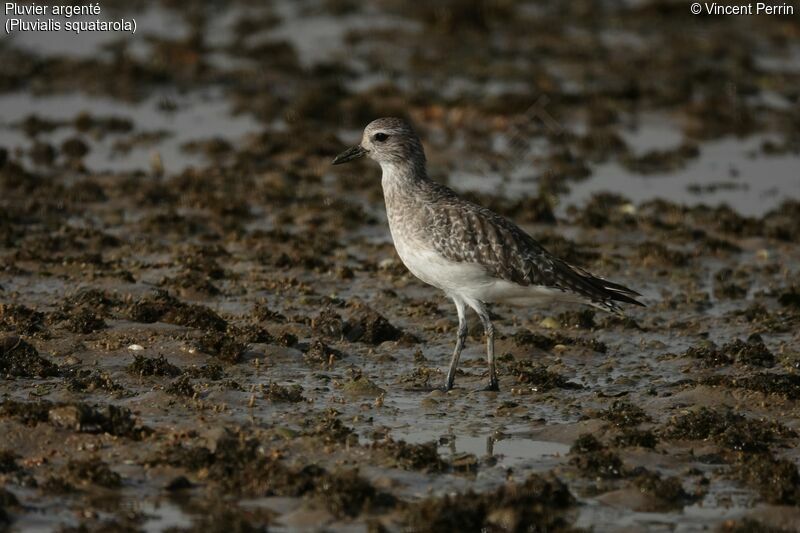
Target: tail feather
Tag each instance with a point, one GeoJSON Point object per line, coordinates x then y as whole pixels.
{"type": "Point", "coordinates": [616, 287]}
{"type": "Point", "coordinates": [601, 293]}
{"type": "Point", "coordinates": [609, 292]}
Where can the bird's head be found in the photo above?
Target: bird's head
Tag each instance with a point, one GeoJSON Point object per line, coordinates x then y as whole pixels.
{"type": "Point", "coordinates": [389, 141]}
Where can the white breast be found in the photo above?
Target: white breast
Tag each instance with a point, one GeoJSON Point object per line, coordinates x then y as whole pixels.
{"type": "Point", "coordinates": [470, 280]}
{"type": "Point", "coordinates": [432, 268]}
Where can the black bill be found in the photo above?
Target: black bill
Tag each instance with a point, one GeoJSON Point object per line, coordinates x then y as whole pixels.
{"type": "Point", "coordinates": [348, 155]}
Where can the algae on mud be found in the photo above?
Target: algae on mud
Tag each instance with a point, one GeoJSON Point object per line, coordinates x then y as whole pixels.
{"type": "Point", "coordinates": [193, 304]}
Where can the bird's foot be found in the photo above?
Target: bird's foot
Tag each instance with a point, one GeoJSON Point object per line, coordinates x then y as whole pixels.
{"type": "Point", "coordinates": [493, 386]}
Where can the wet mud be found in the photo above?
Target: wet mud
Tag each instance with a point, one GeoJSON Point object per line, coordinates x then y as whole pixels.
{"type": "Point", "coordinates": [203, 325]}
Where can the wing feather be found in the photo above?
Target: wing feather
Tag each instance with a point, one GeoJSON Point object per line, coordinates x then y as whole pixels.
{"type": "Point", "coordinates": [466, 232]}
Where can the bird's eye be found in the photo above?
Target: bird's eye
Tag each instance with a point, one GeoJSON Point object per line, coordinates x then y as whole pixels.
{"type": "Point", "coordinates": [380, 137]}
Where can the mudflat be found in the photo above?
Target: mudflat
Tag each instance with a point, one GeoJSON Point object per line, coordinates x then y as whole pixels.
{"type": "Point", "coordinates": [204, 325]}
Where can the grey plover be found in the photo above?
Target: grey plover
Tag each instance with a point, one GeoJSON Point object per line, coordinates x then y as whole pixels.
{"type": "Point", "coordinates": [471, 253]}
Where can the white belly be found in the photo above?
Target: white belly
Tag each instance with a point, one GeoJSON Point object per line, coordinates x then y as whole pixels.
{"type": "Point", "coordinates": [470, 280]}
{"type": "Point", "coordinates": [432, 268]}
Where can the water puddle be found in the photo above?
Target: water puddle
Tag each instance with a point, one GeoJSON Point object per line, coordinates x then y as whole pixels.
{"type": "Point", "coordinates": [730, 171]}
{"type": "Point", "coordinates": [526, 428]}
{"type": "Point", "coordinates": [510, 450]}
{"type": "Point", "coordinates": [320, 37]}
{"type": "Point", "coordinates": [196, 116]}
{"type": "Point", "coordinates": [162, 515]}
{"type": "Point", "coordinates": [693, 518]}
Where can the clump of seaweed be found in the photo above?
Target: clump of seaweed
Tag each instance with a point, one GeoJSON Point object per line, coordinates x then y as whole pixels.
{"type": "Point", "coordinates": [347, 494]}
{"type": "Point", "coordinates": [330, 428]}
{"type": "Point", "coordinates": [665, 493]}
{"type": "Point", "coordinates": [370, 327]}
{"type": "Point", "coordinates": [656, 254]}
{"type": "Point", "coordinates": [20, 359]}
{"type": "Point", "coordinates": [636, 437]}
{"type": "Point", "coordinates": [537, 376]}
{"type": "Point", "coordinates": [284, 393]}
{"type": "Point", "coordinates": [730, 284]}
{"type": "Point", "coordinates": [365, 325]}
{"type": "Point", "coordinates": [21, 319]}
{"type": "Point", "coordinates": [791, 297]}
{"type": "Point", "coordinates": [786, 385]}
{"type": "Point", "coordinates": [424, 457]}
{"type": "Point", "coordinates": [8, 462]}
{"type": "Point", "coordinates": [545, 342]}
{"type": "Point", "coordinates": [152, 366]}
{"type": "Point", "coordinates": [359, 385]}
{"type": "Point", "coordinates": [76, 416]}
{"type": "Point", "coordinates": [537, 503]}
{"type": "Point", "coordinates": [583, 319]}
{"type": "Point", "coordinates": [624, 414]}
{"type": "Point", "coordinates": [606, 209]}
{"type": "Point", "coordinates": [586, 443]}
{"type": "Point", "coordinates": [211, 371]}
{"type": "Point", "coordinates": [84, 320]}
{"type": "Point", "coordinates": [239, 464]}
{"type": "Point", "coordinates": [752, 352]}
{"type": "Point", "coordinates": [92, 380]}
{"type": "Point", "coordinates": [592, 458]}
{"type": "Point", "coordinates": [776, 480]}
{"type": "Point", "coordinates": [93, 471]}
{"type": "Point", "coordinates": [729, 430]}
{"type": "Point", "coordinates": [181, 386]}
{"type": "Point", "coordinates": [320, 354]}
{"type": "Point", "coordinates": [222, 345]}
{"type": "Point", "coordinates": [161, 306]}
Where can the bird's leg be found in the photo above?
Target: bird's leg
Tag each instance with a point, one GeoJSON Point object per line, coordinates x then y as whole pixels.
{"type": "Point", "coordinates": [460, 340]}
{"type": "Point", "coordinates": [488, 328]}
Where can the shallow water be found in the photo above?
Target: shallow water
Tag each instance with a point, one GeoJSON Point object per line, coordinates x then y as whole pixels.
{"type": "Point", "coordinates": [225, 225]}
{"type": "Point", "coordinates": [512, 450]}
{"type": "Point", "coordinates": [729, 171]}
{"type": "Point", "coordinates": [199, 116]}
